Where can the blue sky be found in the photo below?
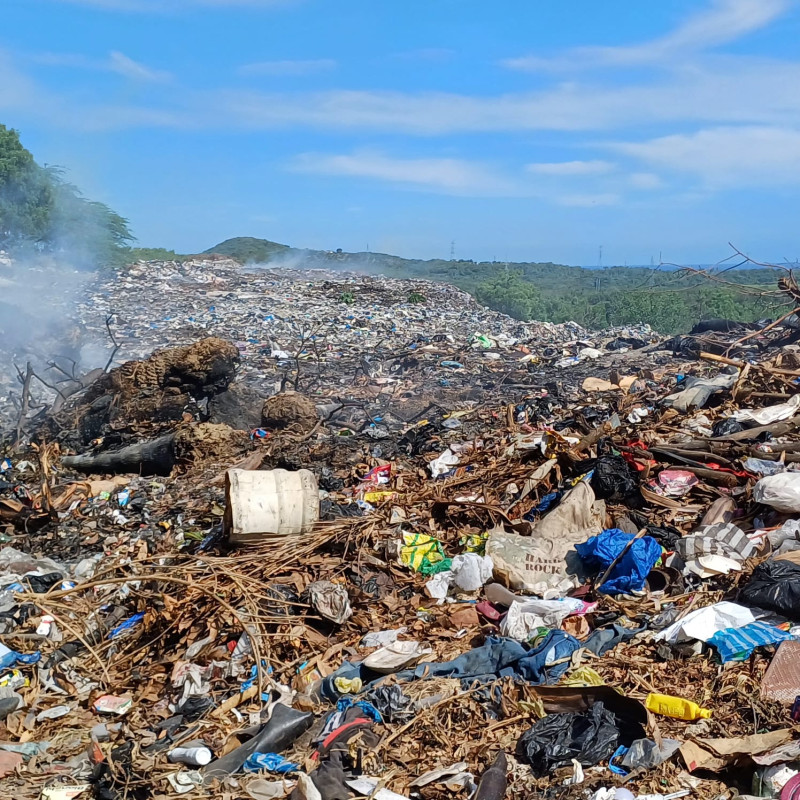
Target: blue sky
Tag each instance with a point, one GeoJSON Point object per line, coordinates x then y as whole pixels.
{"type": "Point", "coordinates": [522, 130]}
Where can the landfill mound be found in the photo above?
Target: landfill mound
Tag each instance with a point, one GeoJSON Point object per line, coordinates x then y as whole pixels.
{"type": "Point", "coordinates": [336, 537]}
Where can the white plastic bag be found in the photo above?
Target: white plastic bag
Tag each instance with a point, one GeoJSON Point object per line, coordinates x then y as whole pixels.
{"type": "Point", "coordinates": [766, 416]}
{"type": "Point", "coordinates": [471, 571]}
{"type": "Point", "coordinates": [782, 492]}
{"type": "Point", "coordinates": [523, 619]}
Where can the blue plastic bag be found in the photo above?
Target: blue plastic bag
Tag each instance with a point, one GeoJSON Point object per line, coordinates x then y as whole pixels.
{"type": "Point", "coordinates": [631, 572]}
{"type": "Point", "coordinates": [272, 762]}
{"type": "Point", "coordinates": [11, 658]}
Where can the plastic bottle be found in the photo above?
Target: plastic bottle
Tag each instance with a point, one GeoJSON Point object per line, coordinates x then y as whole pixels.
{"type": "Point", "coordinates": [676, 707]}
{"type": "Point", "coordinates": [193, 756]}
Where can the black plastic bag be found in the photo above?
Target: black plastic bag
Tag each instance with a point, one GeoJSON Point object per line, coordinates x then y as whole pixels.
{"type": "Point", "coordinates": [613, 479]}
{"type": "Point", "coordinates": [774, 586]}
{"type": "Point", "coordinates": [725, 427]}
{"type": "Point", "coordinates": [557, 739]}
{"type": "Point", "coordinates": [43, 583]}
{"type": "Point", "coordinates": [667, 536]}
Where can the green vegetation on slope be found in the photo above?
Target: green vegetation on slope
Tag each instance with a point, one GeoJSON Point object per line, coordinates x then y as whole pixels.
{"type": "Point", "coordinates": [249, 250]}
{"type": "Point", "coordinates": [670, 301]}
{"type": "Point", "coordinates": [42, 212]}
{"type": "Point", "coordinates": [154, 254]}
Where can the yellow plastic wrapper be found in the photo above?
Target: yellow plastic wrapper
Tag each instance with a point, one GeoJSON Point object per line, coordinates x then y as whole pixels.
{"type": "Point", "coordinates": [583, 676]}
{"type": "Point", "coordinates": [423, 554]}
{"type": "Point", "coordinates": [377, 497]}
{"type": "Point", "coordinates": [475, 542]}
{"type": "Point", "coordinates": [348, 685]}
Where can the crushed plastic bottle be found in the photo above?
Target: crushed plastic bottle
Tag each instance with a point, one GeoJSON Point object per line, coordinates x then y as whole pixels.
{"type": "Point", "coordinates": [676, 707]}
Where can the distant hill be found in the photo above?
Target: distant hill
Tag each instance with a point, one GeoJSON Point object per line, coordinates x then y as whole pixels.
{"type": "Point", "coordinates": [249, 250]}
{"type": "Point", "coordinates": [670, 300]}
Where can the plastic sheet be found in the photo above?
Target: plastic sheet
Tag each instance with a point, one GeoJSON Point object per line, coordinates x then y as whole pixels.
{"type": "Point", "coordinates": [558, 739]}
{"type": "Point", "coordinates": [781, 492]}
{"type": "Point", "coordinates": [775, 586]}
{"type": "Point", "coordinates": [631, 571]}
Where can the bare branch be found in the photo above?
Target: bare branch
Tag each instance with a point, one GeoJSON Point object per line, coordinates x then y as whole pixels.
{"type": "Point", "coordinates": [113, 342]}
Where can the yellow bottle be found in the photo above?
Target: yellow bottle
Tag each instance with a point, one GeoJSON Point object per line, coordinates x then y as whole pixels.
{"type": "Point", "coordinates": [675, 707]}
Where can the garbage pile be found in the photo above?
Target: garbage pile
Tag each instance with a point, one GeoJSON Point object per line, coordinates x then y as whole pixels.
{"type": "Point", "coordinates": [573, 572]}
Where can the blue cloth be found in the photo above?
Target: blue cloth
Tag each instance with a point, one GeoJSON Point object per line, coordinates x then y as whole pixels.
{"type": "Point", "coordinates": [501, 657]}
{"type": "Point", "coordinates": [498, 657]}
{"type": "Point", "coordinates": [601, 640]}
{"type": "Point", "coordinates": [736, 644]}
{"type": "Point", "coordinates": [272, 762]}
{"type": "Point", "coordinates": [631, 572]}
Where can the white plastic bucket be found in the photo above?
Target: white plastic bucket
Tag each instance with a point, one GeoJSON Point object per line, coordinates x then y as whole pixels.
{"type": "Point", "coordinates": [276, 501]}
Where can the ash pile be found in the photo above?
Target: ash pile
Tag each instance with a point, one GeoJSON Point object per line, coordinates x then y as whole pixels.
{"type": "Point", "coordinates": [327, 536]}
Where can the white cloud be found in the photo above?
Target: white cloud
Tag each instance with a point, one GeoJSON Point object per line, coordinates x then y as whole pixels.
{"type": "Point", "coordinates": [721, 92]}
{"type": "Point", "coordinates": [281, 68]}
{"type": "Point", "coordinates": [116, 62]}
{"type": "Point", "coordinates": [726, 91]}
{"type": "Point", "coordinates": [449, 175]}
{"type": "Point", "coordinates": [128, 68]}
{"type": "Point", "coordinates": [568, 168]}
{"type": "Point", "coordinates": [722, 22]}
{"type": "Point", "coordinates": [726, 157]}
{"type": "Point", "coordinates": [645, 180]}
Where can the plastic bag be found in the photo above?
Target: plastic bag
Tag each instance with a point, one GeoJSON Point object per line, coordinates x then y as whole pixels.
{"type": "Point", "coordinates": [703, 623]}
{"type": "Point", "coordinates": [647, 754]}
{"type": "Point", "coordinates": [632, 569]}
{"type": "Point", "coordinates": [558, 739]}
{"type": "Point", "coordinates": [330, 601]}
{"type": "Point", "coordinates": [758, 466]}
{"type": "Point", "coordinates": [782, 492]}
{"type": "Point", "coordinates": [774, 586]}
{"type": "Point", "coordinates": [471, 571]}
{"type": "Point", "coordinates": [698, 391]}
{"type": "Point", "coordinates": [613, 478]}
{"type": "Point", "coordinates": [536, 563]}
{"type": "Point", "coordinates": [725, 427]}
{"type": "Point", "coordinates": [525, 618]}
{"type": "Point", "coordinates": [766, 416]}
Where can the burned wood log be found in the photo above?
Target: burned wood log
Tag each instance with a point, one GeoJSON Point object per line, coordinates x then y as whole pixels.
{"type": "Point", "coordinates": [206, 443]}
{"type": "Point", "coordinates": [153, 457]}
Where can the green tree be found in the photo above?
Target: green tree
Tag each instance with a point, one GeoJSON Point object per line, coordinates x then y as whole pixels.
{"type": "Point", "coordinates": [508, 291]}
{"type": "Point", "coordinates": [38, 208]}
{"type": "Point", "coordinates": [26, 196]}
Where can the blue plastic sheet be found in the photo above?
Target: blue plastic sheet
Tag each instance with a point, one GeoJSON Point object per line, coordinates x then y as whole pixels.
{"type": "Point", "coordinates": [631, 572]}
{"type": "Point", "coordinates": [128, 625]}
{"type": "Point", "coordinates": [736, 644]}
{"type": "Point", "coordinates": [272, 762]}
{"type": "Point", "coordinates": [11, 658]}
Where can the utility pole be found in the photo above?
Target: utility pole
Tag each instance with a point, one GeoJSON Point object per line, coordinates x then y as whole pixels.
{"type": "Point", "coordinates": [453, 250]}
{"type": "Point", "coordinates": [600, 256]}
